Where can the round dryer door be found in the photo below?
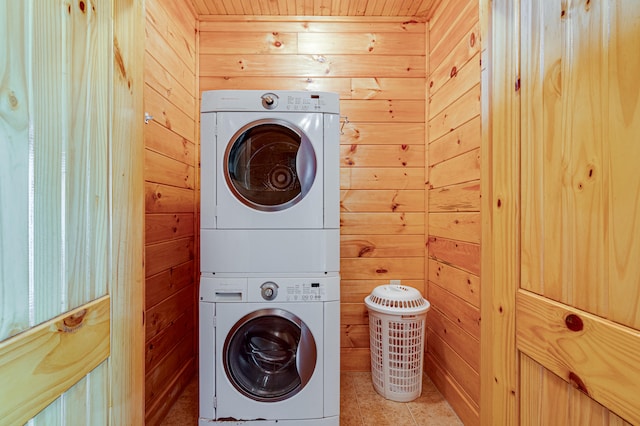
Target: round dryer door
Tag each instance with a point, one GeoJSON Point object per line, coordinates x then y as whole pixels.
{"type": "Point", "coordinates": [269, 165]}
{"type": "Point", "coordinates": [269, 355]}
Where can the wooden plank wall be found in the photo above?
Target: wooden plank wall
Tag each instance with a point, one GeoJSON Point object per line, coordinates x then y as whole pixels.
{"type": "Point", "coordinates": [378, 67]}
{"type": "Point", "coordinates": [454, 135]}
{"type": "Point", "coordinates": [171, 199]}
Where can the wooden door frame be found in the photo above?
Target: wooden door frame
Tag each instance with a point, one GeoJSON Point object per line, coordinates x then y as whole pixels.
{"type": "Point", "coordinates": [500, 188]}
{"type": "Point", "coordinates": [126, 363]}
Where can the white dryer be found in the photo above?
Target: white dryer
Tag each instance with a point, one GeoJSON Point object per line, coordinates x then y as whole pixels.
{"type": "Point", "coordinates": [270, 182]}
{"type": "Point", "coordinates": [269, 350]}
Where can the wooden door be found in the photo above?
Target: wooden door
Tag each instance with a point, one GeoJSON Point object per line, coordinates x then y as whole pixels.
{"type": "Point", "coordinates": [563, 141]}
{"type": "Point", "coordinates": [561, 212]}
{"type": "Point", "coordinates": [577, 310]}
{"type": "Point", "coordinates": [71, 325]}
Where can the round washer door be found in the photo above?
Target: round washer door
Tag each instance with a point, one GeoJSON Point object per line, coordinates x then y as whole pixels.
{"type": "Point", "coordinates": [269, 355]}
{"type": "Point", "coordinates": [269, 165]}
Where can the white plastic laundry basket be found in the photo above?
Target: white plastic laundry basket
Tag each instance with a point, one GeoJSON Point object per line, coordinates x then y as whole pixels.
{"type": "Point", "coordinates": [397, 316]}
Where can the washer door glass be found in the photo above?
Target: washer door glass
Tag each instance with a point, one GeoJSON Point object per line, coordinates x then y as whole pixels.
{"type": "Point", "coordinates": [270, 165]}
{"type": "Point", "coordinates": [269, 355]}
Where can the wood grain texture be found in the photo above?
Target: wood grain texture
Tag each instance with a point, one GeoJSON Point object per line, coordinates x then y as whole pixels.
{"type": "Point", "coordinates": [578, 139]}
{"type": "Point", "coordinates": [465, 315]}
{"type": "Point", "coordinates": [458, 368]}
{"type": "Point", "coordinates": [462, 403]}
{"type": "Point", "coordinates": [14, 172]}
{"type": "Point", "coordinates": [547, 399]}
{"type": "Point", "coordinates": [460, 141]}
{"type": "Point", "coordinates": [500, 210]}
{"type": "Point", "coordinates": [48, 359]}
{"type": "Point", "coordinates": [597, 356]}
{"type": "Point", "coordinates": [455, 198]}
{"type": "Point", "coordinates": [456, 281]}
{"type": "Point", "coordinates": [453, 204]}
{"type": "Point", "coordinates": [171, 201]}
{"type": "Point", "coordinates": [419, 8]}
{"type": "Point", "coordinates": [381, 177]}
{"type": "Point", "coordinates": [378, 68]}
{"type": "Point", "coordinates": [166, 283]}
{"type": "Point", "coordinates": [358, 246]}
{"type": "Point", "coordinates": [127, 274]}
{"type": "Point", "coordinates": [381, 223]}
{"type": "Point", "coordinates": [59, 80]}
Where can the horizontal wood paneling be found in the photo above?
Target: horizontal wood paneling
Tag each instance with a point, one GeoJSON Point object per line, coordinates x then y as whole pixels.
{"type": "Point", "coordinates": [400, 155]}
{"type": "Point", "coordinates": [456, 198]}
{"type": "Point", "coordinates": [166, 170]}
{"type": "Point", "coordinates": [168, 199]}
{"type": "Point", "coordinates": [180, 355]}
{"type": "Point", "coordinates": [454, 227]}
{"type": "Point", "coordinates": [462, 110]}
{"type": "Point", "coordinates": [452, 362]}
{"type": "Point", "coordinates": [171, 184]}
{"type": "Point", "coordinates": [378, 68]}
{"type": "Point", "coordinates": [312, 65]}
{"type": "Point", "coordinates": [160, 227]}
{"type": "Point", "coordinates": [382, 200]}
{"type": "Point", "coordinates": [168, 282]}
{"type": "Point", "coordinates": [456, 281]}
{"type": "Point", "coordinates": [450, 23]}
{"type": "Point", "coordinates": [465, 407]}
{"type": "Point", "coordinates": [459, 253]}
{"type": "Point", "coordinates": [381, 246]}
{"type": "Point", "coordinates": [459, 340]}
{"type": "Point", "coordinates": [159, 139]}
{"type": "Point", "coordinates": [381, 178]}
{"type": "Point", "coordinates": [457, 142]}
{"type": "Point", "coordinates": [167, 254]}
{"type": "Point", "coordinates": [465, 315]}
{"type": "Point", "coordinates": [354, 291]}
{"type": "Point", "coordinates": [381, 223]}
{"type": "Point", "coordinates": [377, 268]}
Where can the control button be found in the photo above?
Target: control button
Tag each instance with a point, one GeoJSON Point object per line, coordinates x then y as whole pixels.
{"type": "Point", "coordinates": [269, 100]}
{"type": "Point", "coordinates": [269, 290]}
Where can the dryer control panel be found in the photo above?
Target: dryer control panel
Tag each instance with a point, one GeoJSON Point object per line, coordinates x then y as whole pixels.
{"type": "Point", "coordinates": [308, 102]}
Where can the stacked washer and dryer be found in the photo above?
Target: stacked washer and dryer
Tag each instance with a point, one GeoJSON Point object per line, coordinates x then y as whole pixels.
{"type": "Point", "coordinates": [270, 257]}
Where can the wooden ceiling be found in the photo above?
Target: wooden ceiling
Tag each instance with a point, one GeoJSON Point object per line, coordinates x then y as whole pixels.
{"type": "Point", "coordinates": [406, 8]}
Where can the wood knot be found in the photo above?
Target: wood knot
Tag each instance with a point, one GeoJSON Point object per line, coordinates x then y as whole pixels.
{"type": "Point", "coordinates": [73, 322]}
{"type": "Point", "coordinates": [578, 383]}
{"type": "Point", "coordinates": [365, 250]}
{"type": "Point", "coordinates": [573, 322]}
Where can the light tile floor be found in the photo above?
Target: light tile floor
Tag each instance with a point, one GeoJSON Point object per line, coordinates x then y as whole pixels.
{"type": "Point", "coordinates": [360, 405]}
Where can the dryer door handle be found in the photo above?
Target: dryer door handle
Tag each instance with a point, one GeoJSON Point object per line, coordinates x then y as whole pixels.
{"type": "Point", "coordinates": [306, 355]}
{"type": "Point", "coordinates": [305, 165]}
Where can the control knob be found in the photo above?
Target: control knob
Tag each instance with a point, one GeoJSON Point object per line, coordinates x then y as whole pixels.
{"type": "Point", "coordinates": [269, 290]}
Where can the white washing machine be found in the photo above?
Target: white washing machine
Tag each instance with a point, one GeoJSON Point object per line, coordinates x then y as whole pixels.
{"type": "Point", "coordinates": [270, 191]}
{"type": "Point", "coordinates": [269, 350]}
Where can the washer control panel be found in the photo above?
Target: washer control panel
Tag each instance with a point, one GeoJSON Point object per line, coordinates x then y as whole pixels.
{"type": "Point", "coordinates": [269, 290]}
{"type": "Point", "coordinates": [233, 289]}
{"type": "Point", "coordinates": [305, 292]}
